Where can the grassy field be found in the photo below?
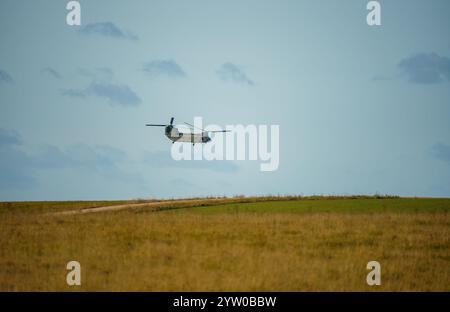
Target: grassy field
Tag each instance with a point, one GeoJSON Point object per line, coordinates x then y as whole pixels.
{"type": "Point", "coordinates": [238, 244]}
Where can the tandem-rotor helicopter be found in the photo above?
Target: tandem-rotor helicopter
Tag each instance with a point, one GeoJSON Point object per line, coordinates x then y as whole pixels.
{"type": "Point", "coordinates": [176, 136]}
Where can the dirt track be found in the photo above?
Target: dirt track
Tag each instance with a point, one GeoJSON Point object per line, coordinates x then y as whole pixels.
{"type": "Point", "coordinates": [161, 205]}
{"type": "Point", "coordinates": [157, 205]}
{"type": "Point", "coordinates": [193, 202]}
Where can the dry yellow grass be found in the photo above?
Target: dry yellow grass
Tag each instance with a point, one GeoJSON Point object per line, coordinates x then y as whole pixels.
{"type": "Point", "coordinates": [269, 246]}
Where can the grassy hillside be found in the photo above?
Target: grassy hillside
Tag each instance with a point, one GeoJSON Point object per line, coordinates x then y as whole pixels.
{"type": "Point", "coordinates": [261, 244]}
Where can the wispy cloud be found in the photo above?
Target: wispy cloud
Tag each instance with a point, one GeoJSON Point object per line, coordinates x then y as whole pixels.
{"type": "Point", "coordinates": [9, 137]}
{"type": "Point", "coordinates": [105, 71]}
{"type": "Point", "coordinates": [15, 167]}
{"type": "Point", "coordinates": [441, 151]}
{"type": "Point", "coordinates": [426, 68]}
{"type": "Point", "coordinates": [107, 29]}
{"type": "Point", "coordinates": [160, 159]}
{"type": "Point", "coordinates": [5, 77]}
{"type": "Point", "coordinates": [14, 163]}
{"type": "Point", "coordinates": [116, 94]}
{"type": "Point", "coordinates": [231, 72]}
{"type": "Point", "coordinates": [74, 93]}
{"type": "Point", "coordinates": [167, 68]}
{"type": "Point", "coordinates": [380, 78]}
{"type": "Point", "coordinates": [19, 167]}
{"type": "Point", "coordinates": [79, 156]}
{"type": "Point", "coordinates": [51, 72]}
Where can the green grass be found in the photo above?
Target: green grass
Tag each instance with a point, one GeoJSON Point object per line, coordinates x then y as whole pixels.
{"type": "Point", "coordinates": [367, 205]}
{"type": "Point", "coordinates": [237, 244]}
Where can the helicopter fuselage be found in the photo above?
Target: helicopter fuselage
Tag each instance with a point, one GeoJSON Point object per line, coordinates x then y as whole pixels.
{"type": "Point", "coordinates": [176, 136]}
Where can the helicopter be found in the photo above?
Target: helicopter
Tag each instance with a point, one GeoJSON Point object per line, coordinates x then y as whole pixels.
{"type": "Point", "coordinates": [175, 135]}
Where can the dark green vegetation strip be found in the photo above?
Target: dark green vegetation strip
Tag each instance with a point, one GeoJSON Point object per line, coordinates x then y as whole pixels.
{"type": "Point", "coordinates": [398, 205]}
{"type": "Point", "coordinates": [266, 204]}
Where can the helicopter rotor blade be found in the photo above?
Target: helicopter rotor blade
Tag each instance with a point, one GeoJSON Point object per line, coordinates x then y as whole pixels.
{"type": "Point", "coordinates": [195, 127]}
{"type": "Point", "coordinates": [152, 125]}
{"type": "Point", "coordinates": [206, 130]}
{"type": "Point", "coordinates": [171, 121]}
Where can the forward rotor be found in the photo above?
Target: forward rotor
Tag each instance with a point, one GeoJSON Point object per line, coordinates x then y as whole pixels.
{"type": "Point", "coordinates": [159, 125]}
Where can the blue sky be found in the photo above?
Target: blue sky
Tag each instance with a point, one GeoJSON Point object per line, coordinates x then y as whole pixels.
{"type": "Point", "coordinates": [361, 109]}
